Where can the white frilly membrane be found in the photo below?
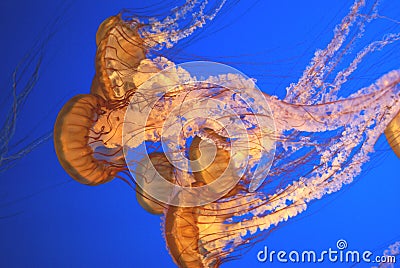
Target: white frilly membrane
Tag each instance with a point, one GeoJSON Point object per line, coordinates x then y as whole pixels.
{"type": "Point", "coordinates": [322, 140]}
{"type": "Point", "coordinates": [159, 33]}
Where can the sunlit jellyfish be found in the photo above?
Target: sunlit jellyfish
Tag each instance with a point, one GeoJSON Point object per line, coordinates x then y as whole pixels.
{"type": "Point", "coordinates": [223, 162]}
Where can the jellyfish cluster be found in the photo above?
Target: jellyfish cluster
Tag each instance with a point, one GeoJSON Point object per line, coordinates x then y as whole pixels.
{"type": "Point", "coordinates": [221, 161]}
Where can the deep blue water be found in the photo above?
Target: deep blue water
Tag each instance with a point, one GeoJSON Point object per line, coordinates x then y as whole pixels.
{"type": "Point", "coordinates": [48, 220]}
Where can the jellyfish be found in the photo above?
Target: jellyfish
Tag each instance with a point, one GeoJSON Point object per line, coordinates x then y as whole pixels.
{"type": "Point", "coordinates": [393, 135]}
{"type": "Point", "coordinates": [88, 129]}
{"type": "Point", "coordinates": [222, 162]}
{"type": "Point", "coordinates": [87, 132]}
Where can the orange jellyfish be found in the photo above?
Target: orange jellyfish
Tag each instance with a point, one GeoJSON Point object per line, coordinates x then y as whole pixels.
{"type": "Point", "coordinates": [76, 147]}
{"type": "Point", "coordinates": [222, 161]}
{"type": "Point", "coordinates": [165, 169]}
{"type": "Point", "coordinates": [392, 133]}
{"type": "Point", "coordinates": [88, 128]}
{"type": "Point", "coordinates": [119, 52]}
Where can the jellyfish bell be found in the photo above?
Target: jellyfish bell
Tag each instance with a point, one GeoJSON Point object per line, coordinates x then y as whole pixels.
{"type": "Point", "coordinates": [208, 162]}
{"type": "Point", "coordinates": [182, 236]}
{"type": "Point", "coordinates": [85, 160]}
{"type": "Point", "coordinates": [120, 49]}
{"type": "Point", "coordinates": [162, 167]}
{"type": "Point", "coordinates": [104, 28]}
{"type": "Point", "coordinates": [185, 226]}
{"type": "Point", "coordinates": [392, 133]}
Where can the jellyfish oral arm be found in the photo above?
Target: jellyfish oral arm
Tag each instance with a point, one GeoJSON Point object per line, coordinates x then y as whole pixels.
{"type": "Point", "coordinates": [167, 32]}
{"type": "Point", "coordinates": [322, 117]}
